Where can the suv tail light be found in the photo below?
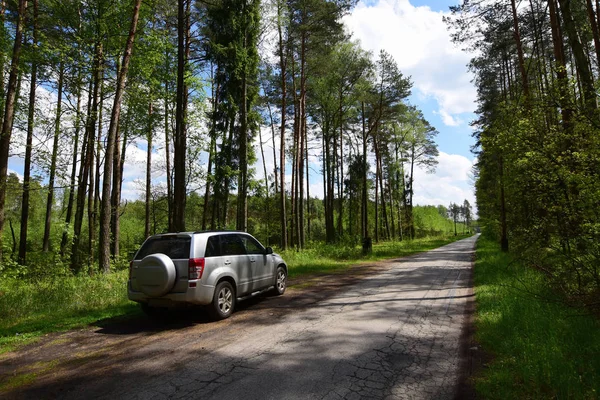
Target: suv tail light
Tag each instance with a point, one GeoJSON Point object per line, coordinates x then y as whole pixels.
{"type": "Point", "coordinates": [196, 268]}
{"type": "Point", "coordinates": [130, 268]}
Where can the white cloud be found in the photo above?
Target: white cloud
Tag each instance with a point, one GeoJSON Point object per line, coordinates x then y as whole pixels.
{"type": "Point", "coordinates": [451, 182]}
{"type": "Point", "coordinates": [449, 120]}
{"type": "Point", "coordinates": [420, 43]}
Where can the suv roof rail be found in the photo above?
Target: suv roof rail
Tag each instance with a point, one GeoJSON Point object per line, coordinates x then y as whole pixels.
{"type": "Point", "coordinates": [220, 230]}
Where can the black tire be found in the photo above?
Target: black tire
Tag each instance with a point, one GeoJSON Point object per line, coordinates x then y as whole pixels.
{"type": "Point", "coordinates": [280, 281]}
{"type": "Point", "coordinates": [223, 301]}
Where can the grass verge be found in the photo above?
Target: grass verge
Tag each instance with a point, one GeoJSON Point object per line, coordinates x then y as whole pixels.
{"type": "Point", "coordinates": [540, 348]}
{"type": "Point", "coordinates": [30, 309]}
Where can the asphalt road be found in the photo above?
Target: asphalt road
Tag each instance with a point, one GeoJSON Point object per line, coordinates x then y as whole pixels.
{"type": "Point", "coordinates": [392, 334]}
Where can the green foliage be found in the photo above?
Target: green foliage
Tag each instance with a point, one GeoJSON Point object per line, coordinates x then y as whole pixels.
{"type": "Point", "coordinates": [429, 222]}
{"type": "Point", "coordinates": [49, 303]}
{"type": "Point", "coordinates": [541, 349]}
{"type": "Point", "coordinates": [537, 177]}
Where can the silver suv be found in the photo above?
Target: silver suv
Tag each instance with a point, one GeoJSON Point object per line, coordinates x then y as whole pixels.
{"type": "Point", "coordinates": [203, 268]}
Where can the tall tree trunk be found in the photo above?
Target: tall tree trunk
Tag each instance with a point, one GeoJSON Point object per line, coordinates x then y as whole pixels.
{"type": "Point", "coordinates": [2, 60]}
{"type": "Point", "coordinates": [364, 203]}
{"type": "Point", "coordinates": [168, 147]}
{"type": "Point", "coordinates": [105, 211]}
{"type": "Point", "coordinates": [410, 216]}
{"type": "Point", "coordinates": [148, 171]}
{"type": "Point", "coordinates": [594, 26]}
{"type": "Point", "coordinates": [30, 122]}
{"type": "Point", "coordinates": [115, 196]}
{"type": "Point", "coordinates": [84, 170]}
{"type": "Point", "coordinates": [503, 223]}
{"type": "Point", "coordinates": [341, 166]}
{"type": "Point", "coordinates": [307, 193]}
{"type": "Point", "coordinates": [275, 177]}
{"type": "Point", "coordinates": [9, 112]}
{"type": "Point", "coordinates": [302, 139]}
{"type": "Point", "coordinates": [377, 172]}
{"type": "Point", "coordinates": [522, 69]}
{"type": "Point", "coordinates": [50, 200]}
{"type": "Point", "coordinates": [581, 60]}
{"type": "Point", "coordinates": [242, 201]}
{"type": "Point", "coordinates": [268, 207]}
{"type": "Point", "coordinates": [566, 108]}
{"type": "Point", "coordinates": [69, 213]}
{"type": "Point", "coordinates": [382, 195]}
{"type": "Point", "coordinates": [212, 148]}
{"type": "Point", "coordinates": [94, 184]}
{"type": "Point", "coordinates": [179, 190]}
{"type": "Point", "coordinates": [283, 72]}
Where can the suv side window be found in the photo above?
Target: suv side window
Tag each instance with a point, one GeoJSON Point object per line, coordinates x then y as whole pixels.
{"type": "Point", "coordinates": [176, 247]}
{"type": "Point", "coordinates": [213, 247]}
{"type": "Point", "coordinates": [252, 246]}
{"type": "Point", "coordinates": [231, 245]}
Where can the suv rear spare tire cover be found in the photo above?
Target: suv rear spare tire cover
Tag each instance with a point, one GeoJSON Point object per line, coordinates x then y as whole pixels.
{"type": "Point", "coordinates": [156, 274]}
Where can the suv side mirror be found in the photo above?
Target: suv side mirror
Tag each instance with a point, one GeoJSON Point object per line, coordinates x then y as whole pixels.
{"type": "Point", "coordinates": [269, 250]}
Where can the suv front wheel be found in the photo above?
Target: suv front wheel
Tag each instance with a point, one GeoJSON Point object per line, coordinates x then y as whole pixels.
{"type": "Point", "coordinates": [223, 301]}
{"type": "Point", "coordinates": [280, 282]}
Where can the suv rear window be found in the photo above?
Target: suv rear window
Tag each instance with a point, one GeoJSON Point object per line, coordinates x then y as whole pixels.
{"type": "Point", "coordinates": [176, 247]}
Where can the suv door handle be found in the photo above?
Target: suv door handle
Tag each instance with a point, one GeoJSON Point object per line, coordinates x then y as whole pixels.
{"type": "Point", "coordinates": [227, 262]}
{"type": "Point", "coordinates": [252, 259]}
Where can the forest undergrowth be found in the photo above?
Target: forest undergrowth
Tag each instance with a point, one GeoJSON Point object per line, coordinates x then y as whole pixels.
{"type": "Point", "coordinates": [540, 348]}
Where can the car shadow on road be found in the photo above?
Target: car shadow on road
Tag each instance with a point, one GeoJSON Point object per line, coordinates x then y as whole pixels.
{"type": "Point", "coordinates": [175, 319]}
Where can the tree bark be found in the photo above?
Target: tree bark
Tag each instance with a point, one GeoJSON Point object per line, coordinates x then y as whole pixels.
{"type": "Point", "coordinates": [105, 211]}
{"type": "Point", "coordinates": [242, 201]}
{"type": "Point", "coordinates": [282, 68]}
{"type": "Point", "coordinates": [179, 189]}
{"type": "Point", "coordinates": [115, 196]}
{"type": "Point", "coordinates": [50, 200]}
{"type": "Point", "coordinates": [517, 35]}
{"type": "Point", "coordinates": [594, 26]}
{"type": "Point", "coordinates": [9, 112]}
{"type": "Point", "coordinates": [2, 61]}
{"type": "Point", "coordinates": [86, 159]}
{"type": "Point", "coordinates": [148, 171]}
{"type": "Point", "coordinates": [364, 202]}
{"type": "Point", "coordinates": [69, 213]}
{"type": "Point", "coordinates": [561, 71]}
{"type": "Point", "coordinates": [167, 121]}
{"type": "Point", "coordinates": [581, 60]}
{"type": "Point", "coordinates": [28, 147]}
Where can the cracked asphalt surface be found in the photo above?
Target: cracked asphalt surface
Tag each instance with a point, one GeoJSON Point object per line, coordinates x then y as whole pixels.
{"type": "Point", "coordinates": [391, 333]}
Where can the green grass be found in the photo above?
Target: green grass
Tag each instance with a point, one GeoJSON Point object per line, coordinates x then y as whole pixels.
{"type": "Point", "coordinates": [32, 308]}
{"type": "Point", "coordinates": [540, 348]}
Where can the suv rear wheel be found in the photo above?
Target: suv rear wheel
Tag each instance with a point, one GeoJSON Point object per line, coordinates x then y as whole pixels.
{"type": "Point", "coordinates": [223, 301]}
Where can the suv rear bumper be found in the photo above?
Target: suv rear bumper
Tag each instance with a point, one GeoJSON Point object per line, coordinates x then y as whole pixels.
{"type": "Point", "coordinates": [200, 295]}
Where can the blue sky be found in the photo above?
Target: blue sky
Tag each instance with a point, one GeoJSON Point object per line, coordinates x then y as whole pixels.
{"type": "Point", "coordinates": [413, 32]}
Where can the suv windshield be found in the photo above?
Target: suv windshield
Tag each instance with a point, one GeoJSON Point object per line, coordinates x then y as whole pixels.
{"type": "Point", "coordinates": [176, 247]}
